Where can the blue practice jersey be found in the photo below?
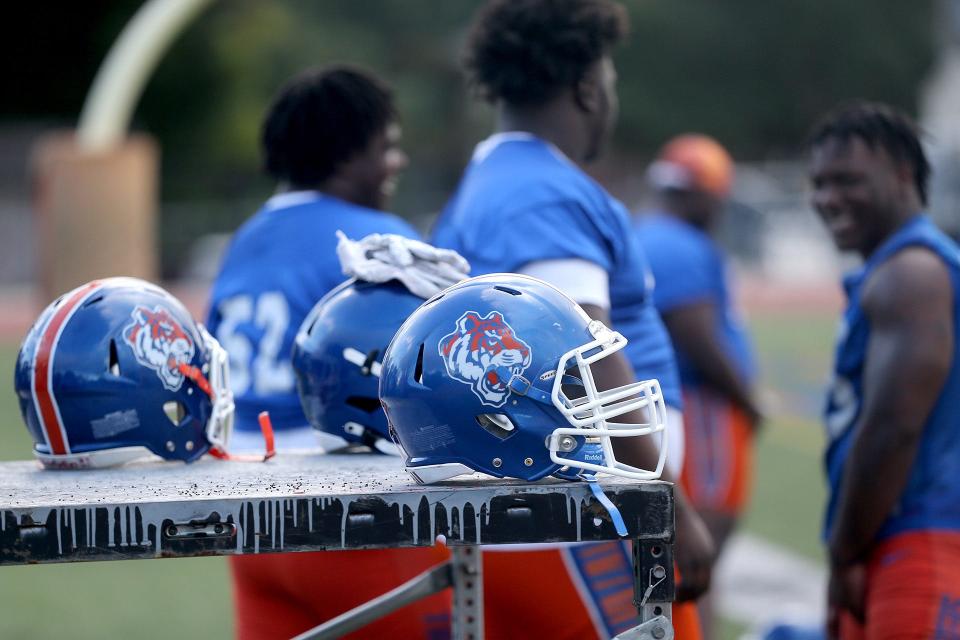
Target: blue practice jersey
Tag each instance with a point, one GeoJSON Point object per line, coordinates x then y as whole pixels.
{"type": "Point", "coordinates": [522, 201]}
{"type": "Point", "coordinates": [689, 268]}
{"type": "Point", "coordinates": [931, 499]}
{"type": "Point", "coordinates": [278, 265]}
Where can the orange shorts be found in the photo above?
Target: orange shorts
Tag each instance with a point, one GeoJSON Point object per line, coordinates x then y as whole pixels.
{"type": "Point", "coordinates": [718, 458]}
{"type": "Point", "coordinates": [528, 592]}
{"type": "Point", "coordinates": [278, 596]}
{"type": "Point", "coordinates": [913, 589]}
{"type": "Point", "coordinates": [575, 592]}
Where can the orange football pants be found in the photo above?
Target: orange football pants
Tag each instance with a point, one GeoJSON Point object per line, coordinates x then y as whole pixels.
{"type": "Point", "coordinates": [527, 593]}
{"type": "Point", "coordinates": [913, 589]}
{"type": "Point", "coordinates": [279, 596]}
{"type": "Point", "coordinates": [718, 457]}
{"type": "Point", "coordinates": [534, 593]}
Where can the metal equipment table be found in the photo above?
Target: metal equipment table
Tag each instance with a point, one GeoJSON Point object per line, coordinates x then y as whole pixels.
{"type": "Point", "coordinates": [323, 502]}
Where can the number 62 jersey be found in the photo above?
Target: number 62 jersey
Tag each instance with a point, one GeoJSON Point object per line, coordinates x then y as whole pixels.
{"type": "Point", "coordinates": [278, 265]}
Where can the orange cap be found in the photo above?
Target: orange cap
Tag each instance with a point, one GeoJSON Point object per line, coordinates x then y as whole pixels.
{"type": "Point", "coordinates": [695, 162]}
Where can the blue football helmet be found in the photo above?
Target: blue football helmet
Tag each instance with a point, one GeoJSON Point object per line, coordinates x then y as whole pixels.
{"type": "Point", "coordinates": [493, 375]}
{"type": "Point", "coordinates": [117, 369]}
{"type": "Point", "coordinates": [336, 358]}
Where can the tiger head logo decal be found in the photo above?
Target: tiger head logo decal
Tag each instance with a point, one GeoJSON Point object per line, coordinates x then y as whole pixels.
{"type": "Point", "coordinates": [160, 343]}
{"type": "Point", "coordinates": [484, 352]}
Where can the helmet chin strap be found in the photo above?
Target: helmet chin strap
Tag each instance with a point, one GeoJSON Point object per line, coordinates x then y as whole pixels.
{"type": "Point", "coordinates": [193, 373]}
{"type": "Point", "coordinates": [266, 427]}
{"type": "Point", "coordinates": [602, 498]}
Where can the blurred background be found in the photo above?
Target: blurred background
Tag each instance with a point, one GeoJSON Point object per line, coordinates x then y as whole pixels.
{"type": "Point", "coordinates": [753, 74]}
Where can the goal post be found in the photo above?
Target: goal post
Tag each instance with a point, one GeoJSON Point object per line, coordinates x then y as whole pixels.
{"type": "Point", "coordinates": [96, 190]}
{"type": "Point", "coordinates": [95, 212]}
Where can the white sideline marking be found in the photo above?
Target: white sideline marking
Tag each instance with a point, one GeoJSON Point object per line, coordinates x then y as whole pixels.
{"type": "Point", "coordinates": [757, 582]}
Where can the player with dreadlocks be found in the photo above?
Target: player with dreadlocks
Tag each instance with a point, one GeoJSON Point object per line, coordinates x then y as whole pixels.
{"type": "Point", "coordinates": [893, 517]}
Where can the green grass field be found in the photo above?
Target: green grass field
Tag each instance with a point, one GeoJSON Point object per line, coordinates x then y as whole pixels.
{"type": "Point", "coordinates": [788, 490]}
{"type": "Point", "coordinates": [161, 599]}
{"type": "Point", "coordinates": [191, 597]}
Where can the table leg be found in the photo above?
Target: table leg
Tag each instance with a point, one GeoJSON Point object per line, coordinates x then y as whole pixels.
{"type": "Point", "coordinates": [467, 613]}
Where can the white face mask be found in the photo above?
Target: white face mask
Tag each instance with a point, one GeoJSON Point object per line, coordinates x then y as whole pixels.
{"type": "Point", "coordinates": [590, 413]}
{"type": "Point", "coordinates": [220, 425]}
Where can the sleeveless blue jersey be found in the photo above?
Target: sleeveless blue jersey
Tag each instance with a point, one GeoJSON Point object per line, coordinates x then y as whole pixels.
{"type": "Point", "coordinates": [278, 265]}
{"type": "Point", "coordinates": [689, 267]}
{"type": "Point", "coordinates": [521, 201]}
{"type": "Point", "coordinates": [931, 499]}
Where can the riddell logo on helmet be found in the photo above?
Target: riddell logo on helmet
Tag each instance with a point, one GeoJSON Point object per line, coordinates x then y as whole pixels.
{"type": "Point", "coordinates": [160, 343]}
{"type": "Point", "coordinates": [484, 352]}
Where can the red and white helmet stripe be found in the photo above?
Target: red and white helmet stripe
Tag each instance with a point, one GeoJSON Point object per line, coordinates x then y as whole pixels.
{"type": "Point", "coordinates": [48, 412]}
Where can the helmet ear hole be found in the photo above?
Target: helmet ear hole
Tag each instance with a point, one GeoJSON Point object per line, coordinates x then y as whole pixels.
{"type": "Point", "coordinates": [175, 411]}
{"type": "Point", "coordinates": [496, 424]}
{"type": "Point", "coordinates": [113, 360]}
